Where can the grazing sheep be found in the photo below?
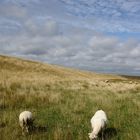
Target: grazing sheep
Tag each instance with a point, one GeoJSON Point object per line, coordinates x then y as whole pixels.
{"type": "Point", "coordinates": [26, 121]}
{"type": "Point", "coordinates": [98, 123]}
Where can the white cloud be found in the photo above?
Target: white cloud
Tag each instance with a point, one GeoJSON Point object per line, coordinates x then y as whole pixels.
{"type": "Point", "coordinates": [70, 40]}
{"type": "Point", "coordinates": [94, 52]}
{"type": "Point", "coordinates": [103, 42]}
{"type": "Point", "coordinates": [51, 27]}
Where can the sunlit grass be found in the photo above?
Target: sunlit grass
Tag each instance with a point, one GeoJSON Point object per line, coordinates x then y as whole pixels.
{"type": "Point", "coordinates": [65, 105]}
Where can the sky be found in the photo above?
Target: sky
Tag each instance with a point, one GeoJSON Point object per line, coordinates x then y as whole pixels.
{"type": "Point", "coordinates": [95, 35]}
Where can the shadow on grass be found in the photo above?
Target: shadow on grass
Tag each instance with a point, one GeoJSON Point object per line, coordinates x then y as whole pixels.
{"type": "Point", "coordinates": [2, 125]}
{"type": "Point", "coordinates": [36, 129]}
{"type": "Point", "coordinates": [39, 129]}
{"type": "Point", "coordinates": [109, 133]}
{"type": "Point", "coordinates": [3, 106]}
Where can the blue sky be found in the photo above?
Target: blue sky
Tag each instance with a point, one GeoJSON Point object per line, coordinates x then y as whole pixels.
{"type": "Point", "coordinates": [95, 35]}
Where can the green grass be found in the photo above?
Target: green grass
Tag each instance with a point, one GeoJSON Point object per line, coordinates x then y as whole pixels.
{"type": "Point", "coordinates": [65, 106]}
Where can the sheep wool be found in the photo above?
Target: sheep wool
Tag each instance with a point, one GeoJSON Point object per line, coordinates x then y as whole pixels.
{"type": "Point", "coordinates": [25, 121]}
{"type": "Point", "coordinates": [98, 123]}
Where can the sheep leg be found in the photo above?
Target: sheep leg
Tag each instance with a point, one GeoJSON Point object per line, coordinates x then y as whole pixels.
{"type": "Point", "coordinates": [27, 129]}
{"type": "Point", "coordinates": [23, 131]}
{"type": "Point", "coordinates": [102, 135]}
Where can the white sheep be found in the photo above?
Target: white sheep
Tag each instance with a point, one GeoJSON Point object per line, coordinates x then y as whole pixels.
{"type": "Point", "coordinates": [98, 123]}
{"type": "Point", "coordinates": [26, 121]}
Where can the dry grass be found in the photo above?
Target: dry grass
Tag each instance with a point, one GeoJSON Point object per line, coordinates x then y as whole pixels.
{"type": "Point", "coordinates": [63, 101]}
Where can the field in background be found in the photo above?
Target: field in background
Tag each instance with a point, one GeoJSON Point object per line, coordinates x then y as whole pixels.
{"type": "Point", "coordinates": [64, 100]}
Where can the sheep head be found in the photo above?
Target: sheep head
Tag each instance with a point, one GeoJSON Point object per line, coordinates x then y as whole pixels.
{"type": "Point", "coordinates": [92, 136]}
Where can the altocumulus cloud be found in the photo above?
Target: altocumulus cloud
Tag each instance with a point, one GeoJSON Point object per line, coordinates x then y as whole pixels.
{"type": "Point", "coordinates": [27, 34]}
{"type": "Point", "coordinates": [99, 52]}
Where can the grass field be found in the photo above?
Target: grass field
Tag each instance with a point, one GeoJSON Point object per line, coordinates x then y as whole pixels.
{"type": "Point", "coordinates": [63, 101]}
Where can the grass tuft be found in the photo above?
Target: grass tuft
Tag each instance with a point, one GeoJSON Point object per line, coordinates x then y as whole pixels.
{"type": "Point", "coordinates": [63, 102]}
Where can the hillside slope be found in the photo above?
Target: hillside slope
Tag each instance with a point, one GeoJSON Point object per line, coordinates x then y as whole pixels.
{"type": "Point", "coordinates": [19, 65]}
{"type": "Point", "coordinates": [16, 70]}
{"type": "Point", "coordinates": [63, 101]}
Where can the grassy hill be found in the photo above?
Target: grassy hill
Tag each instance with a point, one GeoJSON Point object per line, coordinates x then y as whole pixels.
{"type": "Point", "coordinates": [63, 100]}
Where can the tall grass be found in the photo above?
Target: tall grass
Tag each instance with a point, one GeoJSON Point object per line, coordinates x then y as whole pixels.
{"type": "Point", "coordinates": [65, 106]}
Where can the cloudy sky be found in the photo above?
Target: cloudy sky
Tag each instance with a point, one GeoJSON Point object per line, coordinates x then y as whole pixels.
{"type": "Point", "coordinates": [95, 35]}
